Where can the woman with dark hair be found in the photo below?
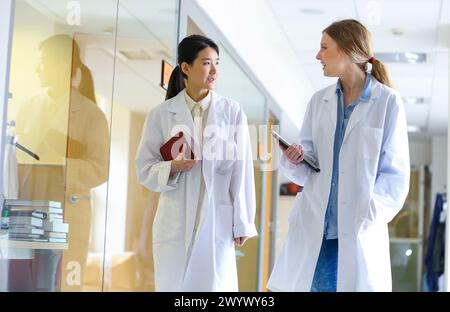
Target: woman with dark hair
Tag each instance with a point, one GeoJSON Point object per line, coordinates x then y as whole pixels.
{"type": "Point", "coordinates": [207, 204]}
{"type": "Point", "coordinates": [356, 130]}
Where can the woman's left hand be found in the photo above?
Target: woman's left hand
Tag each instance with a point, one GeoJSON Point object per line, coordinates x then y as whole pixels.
{"type": "Point", "coordinates": [239, 241]}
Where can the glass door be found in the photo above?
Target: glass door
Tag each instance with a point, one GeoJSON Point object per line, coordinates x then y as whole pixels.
{"type": "Point", "coordinates": [84, 74]}
{"type": "Point", "coordinates": [146, 37]}
{"type": "Point", "coordinates": [58, 141]}
{"type": "Point", "coordinates": [406, 237]}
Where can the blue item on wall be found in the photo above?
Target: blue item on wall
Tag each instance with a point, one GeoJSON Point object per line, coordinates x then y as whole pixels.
{"type": "Point", "coordinates": [436, 245]}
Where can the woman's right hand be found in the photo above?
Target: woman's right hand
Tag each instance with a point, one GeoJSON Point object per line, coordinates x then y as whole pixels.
{"type": "Point", "coordinates": [294, 153]}
{"type": "Point", "coordinates": [180, 165]}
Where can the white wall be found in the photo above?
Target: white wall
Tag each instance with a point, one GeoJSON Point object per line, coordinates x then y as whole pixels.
{"type": "Point", "coordinates": [118, 179]}
{"type": "Point", "coordinates": [252, 29]}
{"type": "Point", "coordinates": [420, 152]}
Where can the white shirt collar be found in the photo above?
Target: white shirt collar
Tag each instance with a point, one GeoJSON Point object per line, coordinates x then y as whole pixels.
{"type": "Point", "coordinates": [204, 102]}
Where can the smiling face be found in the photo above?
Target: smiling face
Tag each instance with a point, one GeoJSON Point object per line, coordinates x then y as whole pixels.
{"type": "Point", "coordinates": [202, 73]}
{"type": "Point", "coordinates": [332, 58]}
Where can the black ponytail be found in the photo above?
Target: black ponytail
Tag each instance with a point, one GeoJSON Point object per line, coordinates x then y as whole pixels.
{"type": "Point", "coordinates": [86, 86]}
{"type": "Point", "coordinates": [176, 83]}
{"type": "Point", "coordinates": [188, 50]}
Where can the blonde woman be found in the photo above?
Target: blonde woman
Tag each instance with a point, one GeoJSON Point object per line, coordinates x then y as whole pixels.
{"type": "Point", "coordinates": [356, 131]}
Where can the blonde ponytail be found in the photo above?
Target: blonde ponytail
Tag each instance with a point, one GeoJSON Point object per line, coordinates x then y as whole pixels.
{"type": "Point", "coordinates": [381, 73]}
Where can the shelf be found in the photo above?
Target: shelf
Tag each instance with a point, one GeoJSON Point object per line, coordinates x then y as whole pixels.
{"type": "Point", "coordinates": [7, 243]}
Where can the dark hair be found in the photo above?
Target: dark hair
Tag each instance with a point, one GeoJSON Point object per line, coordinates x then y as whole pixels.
{"type": "Point", "coordinates": [355, 40]}
{"type": "Point", "coordinates": [188, 50]}
{"type": "Point", "coordinates": [59, 47]}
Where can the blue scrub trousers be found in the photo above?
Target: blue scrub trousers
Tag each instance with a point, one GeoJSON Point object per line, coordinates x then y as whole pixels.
{"type": "Point", "coordinates": [325, 275]}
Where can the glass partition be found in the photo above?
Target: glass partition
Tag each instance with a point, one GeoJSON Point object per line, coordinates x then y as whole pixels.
{"type": "Point", "coordinates": [58, 144]}
{"type": "Point", "coordinates": [84, 75]}
{"type": "Point", "coordinates": [146, 36]}
{"type": "Point", "coordinates": [406, 237]}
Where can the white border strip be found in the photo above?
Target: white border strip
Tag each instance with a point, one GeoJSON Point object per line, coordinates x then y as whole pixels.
{"type": "Point", "coordinates": [6, 28]}
{"type": "Point", "coordinates": [447, 227]}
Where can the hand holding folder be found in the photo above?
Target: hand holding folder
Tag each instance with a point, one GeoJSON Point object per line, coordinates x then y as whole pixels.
{"type": "Point", "coordinates": [174, 146]}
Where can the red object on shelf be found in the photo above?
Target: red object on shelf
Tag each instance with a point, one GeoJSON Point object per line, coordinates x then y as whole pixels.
{"type": "Point", "coordinates": [293, 188]}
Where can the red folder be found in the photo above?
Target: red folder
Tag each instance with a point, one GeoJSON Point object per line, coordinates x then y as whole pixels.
{"type": "Point", "coordinates": [173, 147]}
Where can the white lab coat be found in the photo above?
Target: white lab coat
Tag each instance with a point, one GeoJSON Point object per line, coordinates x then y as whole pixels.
{"type": "Point", "coordinates": [207, 262]}
{"type": "Point", "coordinates": [374, 173]}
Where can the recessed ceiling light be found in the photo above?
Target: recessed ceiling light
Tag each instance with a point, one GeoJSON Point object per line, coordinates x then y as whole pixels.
{"type": "Point", "coordinates": [416, 100]}
{"type": "Point", "coordinates": [116, 54]}
{"type": "Point", "coordinates": [396, 31]}
{"type": "Point", "coordinates": [414, 128]}
{"type": "Point", "coordinates": [402, 57]}
{"type": "Point", "coordinates": [136, 55]}
{"type": "Point", "coordinates": [108, 30]}
{"type": "Point", "coordinates": [311, 11]}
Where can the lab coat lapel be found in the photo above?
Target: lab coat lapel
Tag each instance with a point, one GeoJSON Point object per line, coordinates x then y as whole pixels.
{"type": "Point", "coordinates": [358, 113]}
{"type": "Point", "coordinates": [330, 103]}
{"type": "Point", "coordinates": [181, 117]}
{"type": "Point", "coordinates": [180, 114]}
{"type": "Point", "coordinates": [209, 138]}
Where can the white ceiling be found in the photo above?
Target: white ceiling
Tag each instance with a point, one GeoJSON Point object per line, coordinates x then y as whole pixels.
{"type": "Point", "coordinates": [426, 29]}
{"type": "Point", "coordinates": [150, 26]}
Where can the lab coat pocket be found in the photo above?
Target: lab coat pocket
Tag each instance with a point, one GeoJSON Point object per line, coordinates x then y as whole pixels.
{"type": "Point", "coordinates": [221, 152]}
{"type": "Point", "coordinates": [370, 142]}
{"type": "Point", "coordinates": [224, 223]}
{"type": "Point", "coordinates": [226, 157]}
{"type": "Point", "coordinates": [224, 167]}
{"type": "Point", "coordinates": [167, 225]}
{"type": "Point", "coordinates": [369, 149]}
{"type": "Point", "coordinates": [373, 249]}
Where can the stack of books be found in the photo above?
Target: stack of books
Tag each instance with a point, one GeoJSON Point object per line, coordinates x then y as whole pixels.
{"type": "Point", "coordinates": [36, 220]}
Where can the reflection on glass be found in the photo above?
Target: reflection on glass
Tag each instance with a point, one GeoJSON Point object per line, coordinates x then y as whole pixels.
{"type": "Point", "coordinates": [56, 116]}
{"type": "Point", "coordinates": [237, 85]}
{"type": "Point", "coordinates": [406, 223]}
{"type": "Point", "coordinates": [146, 35]}
{"type": "Point", "coordinates": [404, 266]}
{"type": "Point", "coordinates": [406, 242]}
{"type": "Point", "coordinates": [65, 127]}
